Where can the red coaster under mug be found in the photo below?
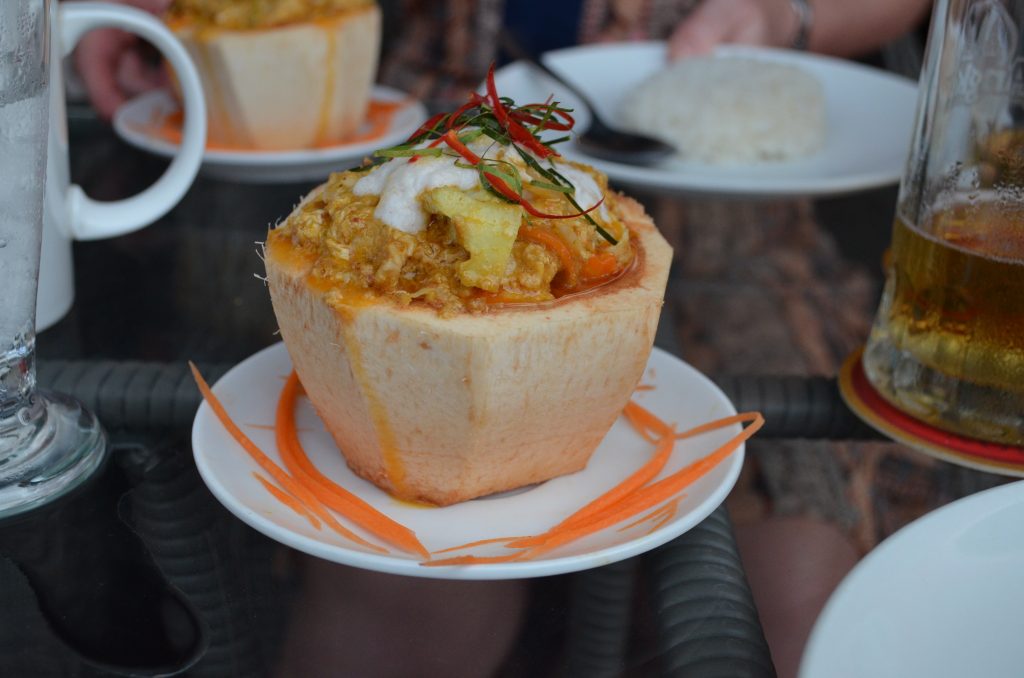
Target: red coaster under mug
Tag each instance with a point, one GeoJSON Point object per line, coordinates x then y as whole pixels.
{"type": "Point", "coordinates": [861, 397]}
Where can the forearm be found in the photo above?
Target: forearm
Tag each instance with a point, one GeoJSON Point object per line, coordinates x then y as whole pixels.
{"type": "Point", "coordinates": [845, 28]}
{"type": "Point", "coordinates": [853, 27]}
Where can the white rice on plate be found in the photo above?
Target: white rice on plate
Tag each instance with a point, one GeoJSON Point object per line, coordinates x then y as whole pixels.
{"type": "Point", "coordinates": [730, 110]}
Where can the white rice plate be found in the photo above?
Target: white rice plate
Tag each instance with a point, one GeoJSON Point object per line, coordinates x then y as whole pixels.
{"type": "Point", "coordinates": [730, 110]}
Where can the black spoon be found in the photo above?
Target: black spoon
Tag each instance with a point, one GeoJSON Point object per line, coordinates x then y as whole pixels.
{"type": "Point", "coordinates": [600, 139]}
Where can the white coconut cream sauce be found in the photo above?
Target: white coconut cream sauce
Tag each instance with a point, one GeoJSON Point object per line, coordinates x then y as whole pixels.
{"type": "Point", "coordinates": [399, 183]}
{"type": "Point", "coordinates": [588, 193]}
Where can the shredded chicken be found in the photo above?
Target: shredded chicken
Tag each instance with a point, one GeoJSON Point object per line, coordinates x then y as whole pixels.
{"type": "Point", "coordinates": [355, 250]}
{"type": "Point", "coordinates": [249, 14]}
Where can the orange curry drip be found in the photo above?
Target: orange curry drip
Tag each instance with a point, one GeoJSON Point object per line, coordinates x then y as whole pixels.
{"type": "Point", "coordinates": [324, 123]}
{"type": "Point", "coordinates": [379, 116]}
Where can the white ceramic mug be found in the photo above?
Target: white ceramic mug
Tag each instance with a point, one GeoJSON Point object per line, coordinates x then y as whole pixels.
{"type": "Point", "coordinates": [71, 215]}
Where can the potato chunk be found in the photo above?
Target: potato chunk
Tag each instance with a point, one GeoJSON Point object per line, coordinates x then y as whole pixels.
{"type": "Point", "coordinates": [485, 226]}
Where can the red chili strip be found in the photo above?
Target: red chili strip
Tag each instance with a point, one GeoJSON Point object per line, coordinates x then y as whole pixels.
{"type": "Point", "coordinates": [492, 93]}
{"type": "Point", "coordinates": [453, 141]}
{"type": "Point", "coordinates": [523, 136]}
{"type": "Point", "coordinates": [499, 184]}
{"type": "Point", "coordinates": [427, 126]}
{"type": "Point", "coordinates": [541, 215]}
{"type": "Point", "coordinates": [474, 100]}
{"type": "Point", "coordinates": [550, 124]}
{"type": "Point", "coordinates": [515, 130]}
{"type": "Point", "coordinates": [523, 115]}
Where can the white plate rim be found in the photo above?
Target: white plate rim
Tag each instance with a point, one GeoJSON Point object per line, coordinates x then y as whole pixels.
{"type": "Point", "coordinates": [817, 650]}
{"type": "Point", "coordinates": [492, 571]}
{"type": "Point", "coordinates": [124, 123]}
{"type": "Point", "coordinates": [691, 181]}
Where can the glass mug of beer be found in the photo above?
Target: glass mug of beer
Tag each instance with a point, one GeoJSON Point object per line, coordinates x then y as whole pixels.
{"type": "Point", "coordinates": [947, 345]}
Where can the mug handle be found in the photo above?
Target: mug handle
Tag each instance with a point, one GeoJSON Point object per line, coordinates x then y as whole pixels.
{"type": "Point", "coordinates": [92, 219]}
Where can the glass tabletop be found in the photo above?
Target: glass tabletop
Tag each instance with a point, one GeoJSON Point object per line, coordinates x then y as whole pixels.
{"type": "Point", "coordinates": [156, 577]}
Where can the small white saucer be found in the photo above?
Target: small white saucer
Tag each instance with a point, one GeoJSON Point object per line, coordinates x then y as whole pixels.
{"type": "Point", "coordinates": [681, 395]}
{"type": "Point", "coordinates": [141, 123]}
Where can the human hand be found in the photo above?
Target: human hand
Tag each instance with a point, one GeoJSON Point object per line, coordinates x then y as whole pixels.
{"type": "Point", "coordinates": [113, 65]}
{"type": "Point", "coordinates": [770, 23]}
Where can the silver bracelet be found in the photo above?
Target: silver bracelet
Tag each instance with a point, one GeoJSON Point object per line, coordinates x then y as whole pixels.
{"type": "Point", "coordinates": [804, 17]}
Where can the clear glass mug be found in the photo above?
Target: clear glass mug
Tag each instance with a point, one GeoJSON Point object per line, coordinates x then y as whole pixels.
{"type": "Point", "coordinates": [947, 345]}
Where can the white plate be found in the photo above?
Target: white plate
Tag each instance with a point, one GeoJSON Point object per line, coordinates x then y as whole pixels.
{"type": "Point", "coordinates": [869, 114]}
{"type": "Point", "coordinates": [941, 598]}
{"type": "Point", "coordinates": [250, 392]}
{"type": "Point", "coordinates": [138, 122]}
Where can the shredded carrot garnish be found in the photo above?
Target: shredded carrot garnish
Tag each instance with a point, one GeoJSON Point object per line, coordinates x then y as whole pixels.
{"type": "Point", "coordinates": [276, 472]}
{"type": "Point", "coordinates": [638, 479]}
{"type": "Point", "coordinates": [660, 511]}
{"type": "Point", "coordinates": [326, 490]}
{"type": "Point", "coordinates": [644, 387]}
{"type": "Point", "coordinates": [649, 496]}
{"type": "Point", "coordinates": [633, 496]}
{"type": "Point", "coordinates": [481, 542]}
{"type": "Point", "coordinates": [667, 509]}
{"type": "Point", "coordinates": [642, 519]}
{"type": "Point", "coordinates": [288, 500]}
{"type": "Point", "coordinates": [308, 492]}
{"type": "Point", "coordinates": [668, 514]}
{"type": "Point", "coordinates": [645, 421]}
{"type": "Point", "coordinates": [475, 560]}
{"type": "Point", "coordinates": [379, 115]}
{"type": "Point", "coordinates": [641, 417]}
{"type": "Point", "coordinates": [719, 423]}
